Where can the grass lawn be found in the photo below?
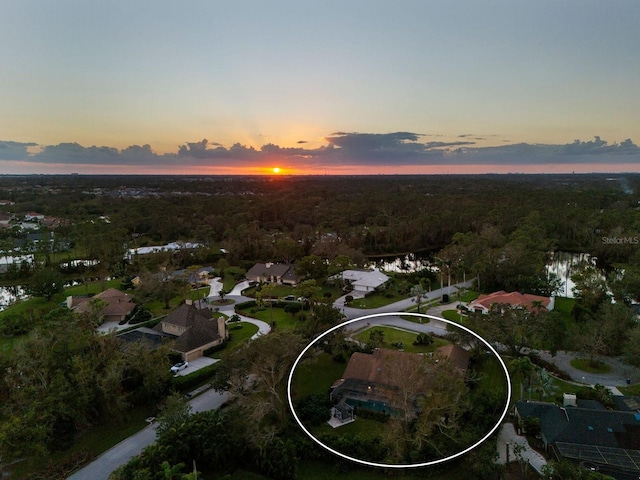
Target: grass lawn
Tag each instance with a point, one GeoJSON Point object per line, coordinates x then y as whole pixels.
{"type": "Point", "coordinates": [238, 336]}
{"type": "Point", "coordinates": [315, 376]}
{"type": "Point", "coordinates": [376, 300]}
{"type": "Point", "coordinates": [316, 470]}
{"type": "Point", "coordinates": [415, 319]}
{"type": "Point", "coordinates": [156, 307]}
{"type": "Point", "coordinates": [469, 296]}
{"type": "Point", "coordinates": [362, 427]}
{"type": "Point", "coordinates": [230, 274]}
{"type": "Point", "coordinates": [199, 293]}
{"type": "Point", "coordinates": [452, 315]}
{"type": "Point", "coordinates": [586, 366]}
{"type": "Point", "coordinates": [491, 375]}
{"type": "Point", "coordinates": [631, 390]}
{"type": "Point", "coordinates": [283, 320]}
{"type": "Point", "coordinates": [393, 335]}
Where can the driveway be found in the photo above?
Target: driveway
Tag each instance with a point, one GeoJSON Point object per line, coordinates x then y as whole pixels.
{"type": "Point", "coordinates": [196, 364]}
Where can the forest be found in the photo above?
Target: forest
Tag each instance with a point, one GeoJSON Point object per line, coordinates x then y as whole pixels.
{"type": "Point", "coordinates": [501, 229]}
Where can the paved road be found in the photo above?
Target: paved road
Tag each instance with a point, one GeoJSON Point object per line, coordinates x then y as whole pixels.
{"type": "Point", "coordinates": [618, 375]}
{"type": "Point", "coordinates": [101, 467]}
{"type": "Point", "coordinates": [402, 305]}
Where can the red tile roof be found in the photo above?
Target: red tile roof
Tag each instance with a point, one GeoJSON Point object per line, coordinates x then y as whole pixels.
{"type": "Point", "coordinates": [516, 299]}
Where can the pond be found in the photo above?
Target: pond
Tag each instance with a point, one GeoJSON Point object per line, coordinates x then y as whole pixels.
{"type": "Point", "coordinates": [565, 264]}
{"type": "Point", "coordinates": [408, 263]}
{"type": "Point", "coordinates": [11, 294]}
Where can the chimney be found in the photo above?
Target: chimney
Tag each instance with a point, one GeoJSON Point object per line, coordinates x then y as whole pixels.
{"type": "Point", "coordinates": [569, 400]}
{"type": "Point", "coordinates": [69, 302]}
{"type": "Point", "coordinates": [222, 327]}
{"type": "Point", "coordinates": [188, 301]}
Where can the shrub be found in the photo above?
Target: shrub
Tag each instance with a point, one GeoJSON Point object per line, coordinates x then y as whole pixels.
{"type": "Point", "coordinates": [423, 339]}
{"type": "Point", "coordinates": [245, 305]}
{"type": "Point", "coordinates": [315, 409]}
{"type": "Point", "coordinates": [187, 382]}
{"type": "Point", "coordinates": [372, 414]}
{"type": "Point", "coordinates": [292, 308]}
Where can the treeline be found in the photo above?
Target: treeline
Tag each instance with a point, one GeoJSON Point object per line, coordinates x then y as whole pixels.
{"type": "Point", "coordinates": [372, 215]}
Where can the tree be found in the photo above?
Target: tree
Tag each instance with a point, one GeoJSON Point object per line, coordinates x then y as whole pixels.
{"type": "Point", "coordinates": [175, 412]}
{"type": "Point", "coordinates": [256, 374]}
{"type": "Point", "coordinates": [162, 286]}
{"type": "Point", "coordinates": [62, 379]}
{"type": "Point", "coordinates": [419, 293]}
{"type": "Point", "coordinates": [376, 339]}
{"type": "Point", "coordinates": [431, 396]}
{"type": "Point", "coordinates": [631, 350]}
{"type": "Point", "coordinates": [310, 291]}
{"type": "Point", "coordinates": [46, 283]}
{"type": "Point", "coordinates": [522, 366]}
{"type": "Point", "coordinates": [505, 325]}
{"type": "Point", "coordinates": [592, 342]}
{"type": "Point", "coordinates": [312, 267]}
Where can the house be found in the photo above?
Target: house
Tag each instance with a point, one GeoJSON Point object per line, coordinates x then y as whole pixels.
{"type": "Point", "coordinates": [31, 216]}
{"type": "Point", "coordinates": [363, 280]}
{"type": "Point", "coordinates": [516, 299]}
{"type": "Point", "coordinates": [7, 260]}
{"type": "Point", "coordinates": [370, 380]}
{"type": "Point", "coordinates": [281, 273]}
{"type": "Point", "coordinates": [5, 219]}
{"type": "Point", "coordinates": [588, 432]}
{"type": "Point", "coordinates": [193, 331]}
{"type": "Point", "coordinates": [197, 277]}
{"type": "Point", "coordinates": [117, 304]}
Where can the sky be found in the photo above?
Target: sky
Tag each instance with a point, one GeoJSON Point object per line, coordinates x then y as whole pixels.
{"type": "Point", "coordinates": [309, 87]}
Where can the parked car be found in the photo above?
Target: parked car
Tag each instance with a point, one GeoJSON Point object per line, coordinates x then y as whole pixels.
{"type": "Point", "coordinates": [179, 366]}
{"type": "Point", "coordinates": [289, 298]}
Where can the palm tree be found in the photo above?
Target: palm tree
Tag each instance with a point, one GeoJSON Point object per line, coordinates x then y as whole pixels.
{"type": "Point", "coordinates": [524, 367]}
{"type": "Point", "coordinates": [169, 471]}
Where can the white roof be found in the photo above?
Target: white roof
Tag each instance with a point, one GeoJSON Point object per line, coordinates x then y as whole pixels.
{"type": "Point", "coordinates": [365, 278]}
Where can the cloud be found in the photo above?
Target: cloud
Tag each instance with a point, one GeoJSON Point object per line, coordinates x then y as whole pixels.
{"type": "Point", "coordinates": [15, 150]}
{"type": "Point", "coordinates": [342, 148]}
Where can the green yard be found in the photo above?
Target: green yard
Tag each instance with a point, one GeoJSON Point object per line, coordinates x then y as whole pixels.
{"type": "Point", "coordinates": [376, 300]}
{"type": "Point", "coordinates": [393, 336]}
{"type": "Point", "coordinates": [315, 375]}
{"type": "Point", "coordinates": [267, 314]}
{"type": "Point", "coordinates": [238, 336]}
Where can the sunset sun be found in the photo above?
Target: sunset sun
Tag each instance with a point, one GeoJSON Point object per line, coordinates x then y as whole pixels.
{"type": "Point", "coordinates": [276, 169]}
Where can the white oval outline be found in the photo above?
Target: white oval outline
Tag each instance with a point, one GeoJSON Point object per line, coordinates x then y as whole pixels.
{"type": "Point", "coordinates": [409, 465]}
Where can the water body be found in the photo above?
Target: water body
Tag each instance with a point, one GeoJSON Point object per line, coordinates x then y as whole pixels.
{"type": "Point", "coordinates": [565, 264]}
{"type": "Point", "coordinates": [562, 264]}
{"type": "Point", "coordinates": [408, 263]}
{"type": "Point", "coordinates": [9, 295]}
